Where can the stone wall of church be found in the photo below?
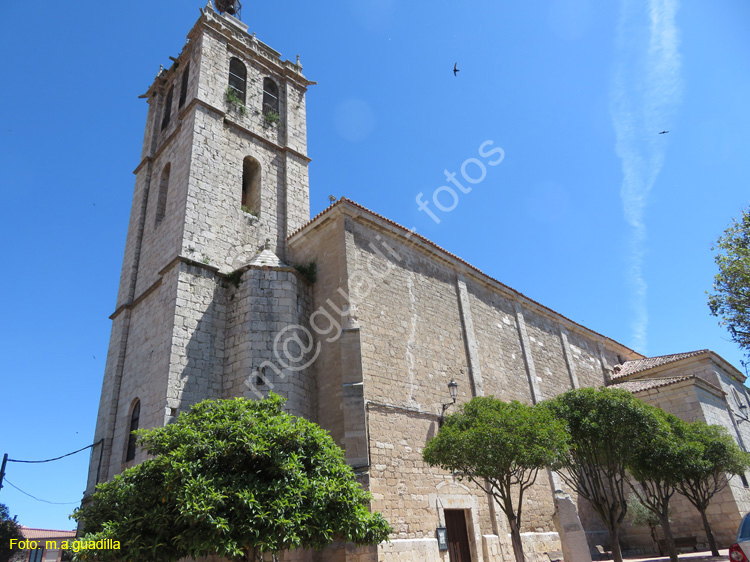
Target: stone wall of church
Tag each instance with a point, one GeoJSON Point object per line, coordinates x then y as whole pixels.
{"type": "Point", "coordinates": [225, 135]}
{"type": "Point", "coordinates": [217, 230]}
{"type": "Point", "coordinates": [325, 248]}
{"type": "Point", "coordinates": [137, 364]}
{"type": "Point", "coordinates": [107, 415]}
{"type": "Point", "coordinates": [267, 327]}
{"type": "Point", "coordinates": [496, 332]}
{"type": "Point", "coordinates": [163, 174]}
{"type": "Point", "coordinates": [196, 359]}
{"type": "Point", "coordinates": [421, 321]}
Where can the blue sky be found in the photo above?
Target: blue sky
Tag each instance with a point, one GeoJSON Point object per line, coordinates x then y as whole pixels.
{"type": "Point", "coordinates": [591, 212]}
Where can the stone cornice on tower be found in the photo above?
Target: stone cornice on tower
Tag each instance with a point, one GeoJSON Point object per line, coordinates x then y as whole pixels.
{"type": "Point", "coordinates": [237, 37]}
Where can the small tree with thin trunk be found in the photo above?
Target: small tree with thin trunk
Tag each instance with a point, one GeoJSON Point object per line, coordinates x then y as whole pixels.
{"type": "Point", "coordinates": [658, 468]}
{"type": "Point", "coordinates": [642, 516]}
{"type": "Point", "coordinates": [705, 474]}
{"type": "Point", "coordinates": [499, 446]}
{"type": "Point", "coordinates": [604, 425]}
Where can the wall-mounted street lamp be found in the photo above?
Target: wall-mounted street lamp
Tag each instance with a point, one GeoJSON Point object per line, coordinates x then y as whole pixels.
{"type": "Point", "coordinates": [743, 414]}
{"type": "Point", "coordinates": [453, 389]}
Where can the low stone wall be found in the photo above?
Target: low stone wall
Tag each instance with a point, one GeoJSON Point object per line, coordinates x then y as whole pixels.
{"type": "Point", "coordinates": [412, 550]}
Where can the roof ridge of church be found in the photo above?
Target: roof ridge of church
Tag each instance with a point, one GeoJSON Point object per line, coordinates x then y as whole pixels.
{"type": "Point", "coordinates": [414, 234]}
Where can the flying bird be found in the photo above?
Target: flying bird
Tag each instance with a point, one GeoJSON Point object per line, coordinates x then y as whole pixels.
{"type": "Point", "coordinates": [455, 69]}
{"type": "Point", "coordinates": [663, 132]}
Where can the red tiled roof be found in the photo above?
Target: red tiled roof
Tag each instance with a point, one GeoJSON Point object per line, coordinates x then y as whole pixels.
{"type": "Point", "coordinates": [31, 533]}
{"type": "Point", "coordinates": [648, 384]}
{"type": "Point", "coordinates": [640, 365]}
{"type": "Point", "coordinates": [413, 233]}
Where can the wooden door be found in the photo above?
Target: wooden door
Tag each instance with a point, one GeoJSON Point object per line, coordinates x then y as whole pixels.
{"type": "Point", "coordinates": [458, 537]}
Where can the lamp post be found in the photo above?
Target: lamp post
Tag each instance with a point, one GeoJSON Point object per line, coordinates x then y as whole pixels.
{"type": "Point", "coordinates": [743, 413]}
{"type": "Point", "coordinates": [453, 389]}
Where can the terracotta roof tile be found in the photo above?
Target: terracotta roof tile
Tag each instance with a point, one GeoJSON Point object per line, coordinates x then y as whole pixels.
{"type": "Point", "coordinates": [639, 365]}
{"type": "Point", "coordinates": [413, 233]}
{"type": "Point", "coordinates": [31, 533]}
{"type": "Point", "coordinates": [648, 384]}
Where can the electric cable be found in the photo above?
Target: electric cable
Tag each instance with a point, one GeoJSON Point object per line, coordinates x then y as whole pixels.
{"type": "Point", "coordinates": [39, 499]}
{"type": "Point", "coordinates": [60, 457]}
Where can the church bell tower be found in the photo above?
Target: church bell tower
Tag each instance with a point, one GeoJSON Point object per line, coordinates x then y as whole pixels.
{"type": "Point", "coordinates": [205, 284]}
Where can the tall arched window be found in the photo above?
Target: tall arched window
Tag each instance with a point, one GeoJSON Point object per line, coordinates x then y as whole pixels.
{"type": "Point", "coordinates": [238, 78]}
{"type": "Point", "coordinates": [270, 96]}
{"type": "Point", "coordinates": [251, 185]}
{"type": "Point", "coordinates": [134, 418]}
{"type": "Point", "coordinates": [161, 202]}
{"type": "Point", "coordinates": [184, 85]}
{"type": "Point", "coordinates": [167, 109]}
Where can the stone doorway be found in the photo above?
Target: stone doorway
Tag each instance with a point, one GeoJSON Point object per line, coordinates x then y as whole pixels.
{"type": "Point", "coordinates": [458, 537]}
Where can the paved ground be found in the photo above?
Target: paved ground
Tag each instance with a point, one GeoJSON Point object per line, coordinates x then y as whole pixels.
{"type": "Point", "coordinates": [690, 556]}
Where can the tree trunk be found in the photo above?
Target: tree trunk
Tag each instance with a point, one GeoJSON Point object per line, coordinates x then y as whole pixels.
{"type": "Point", "coordinates": [515, 538]}
{"type": "Point", "coordinates": [614, 538]}
{"type": "Point", "coordinates": [654, 538]}
{"type": "Point", "coordinates": [671, 549]}
{"type": "Point", "coordinates": [709, 533]}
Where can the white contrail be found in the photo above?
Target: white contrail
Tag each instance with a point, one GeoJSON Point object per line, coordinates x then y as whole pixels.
{"type": "Point", "coordinates": [646, 90]}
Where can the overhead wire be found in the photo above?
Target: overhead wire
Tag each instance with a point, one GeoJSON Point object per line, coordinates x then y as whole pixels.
{"type": "Point", "coordinates": [39, 499]}
{"type": "Point", "coordinates": [4, 478]}
{"type": "Point", "coordinates": [60, 457]}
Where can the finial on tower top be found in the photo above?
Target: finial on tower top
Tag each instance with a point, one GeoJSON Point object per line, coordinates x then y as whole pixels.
{"type": "Point", "coordinates": [231, 7]}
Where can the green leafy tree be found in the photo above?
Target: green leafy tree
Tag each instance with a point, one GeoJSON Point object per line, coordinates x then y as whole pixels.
{"type": "Point", "coordinates": [731, 298]}
{"type": "Point", "coordinates": [234, 478]}
{"type": "Point", "coordinates": [603, 424]}
{"type": "Point", "coordinates": [705, 474]}
{"type": "Point", "coordinates": [658, 468]}
{"type": "Point", "coordinates": [500, 447]}
{"type": "Point", "coordinates": [9, 529]}
{"type": "Point", "coordinates": [644, 517]}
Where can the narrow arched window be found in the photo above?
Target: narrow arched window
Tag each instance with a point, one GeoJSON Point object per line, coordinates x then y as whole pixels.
{"type": "Point", "coordinates": [161, 202]}
{"type": "Point", "coordinates": [251, 186]}
{"type": "Point", "coordinates": [270, 96]}
{"type": "Point", "coordinates": [167, 109]}
{"type": "Point", "coordinates": [184, 85]}
{"type": "Point", "coordinates": [238, 78]}
{"type": "Point", "coordinates": [132, 439]}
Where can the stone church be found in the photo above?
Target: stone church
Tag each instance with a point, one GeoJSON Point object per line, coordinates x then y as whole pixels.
{"type": "Point", "coordinates": [228, 288]}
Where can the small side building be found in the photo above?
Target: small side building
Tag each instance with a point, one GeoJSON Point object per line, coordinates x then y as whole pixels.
{"type": "Point", "coordinates": [695, 386]}
{"type": "Point", "coordinates": [48, 541]}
